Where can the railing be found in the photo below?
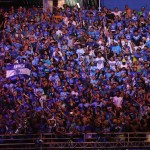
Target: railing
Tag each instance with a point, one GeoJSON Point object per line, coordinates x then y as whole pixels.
{"type": "Point", "coordinates": [47, 141]}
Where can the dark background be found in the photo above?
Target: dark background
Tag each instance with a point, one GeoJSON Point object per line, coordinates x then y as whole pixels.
{"type": "Point", "coordinates": [17, 3]}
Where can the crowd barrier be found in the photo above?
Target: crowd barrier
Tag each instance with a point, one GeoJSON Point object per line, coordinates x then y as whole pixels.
{"type": "Point", "coordinates": [47, 141]}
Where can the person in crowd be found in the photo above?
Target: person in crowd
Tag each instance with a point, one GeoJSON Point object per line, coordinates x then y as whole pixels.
{"type": "Point", "coordinates": [90, 71]}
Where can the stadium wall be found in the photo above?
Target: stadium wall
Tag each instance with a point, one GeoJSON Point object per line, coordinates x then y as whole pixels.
{"type": "Point", "coordinates": [134, 4]}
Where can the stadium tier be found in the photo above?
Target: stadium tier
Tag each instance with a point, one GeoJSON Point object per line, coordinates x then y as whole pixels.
{"type": "Point", "coordinates": [74, 77]}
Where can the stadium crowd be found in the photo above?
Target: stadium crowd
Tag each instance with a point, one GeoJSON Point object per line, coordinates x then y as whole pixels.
{"type": "Point", "coordinates": [89, 70]}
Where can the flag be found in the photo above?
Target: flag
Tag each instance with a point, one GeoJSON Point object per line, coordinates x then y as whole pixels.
{"type": "Point", "coordinates": [71, 2]}
{"type": "Point", "coordinates": [18, 70]}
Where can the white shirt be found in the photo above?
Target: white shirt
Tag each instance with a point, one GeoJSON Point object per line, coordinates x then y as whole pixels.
{"type": "Point", "coordinates": [118, 101]}
{"type": "Point", "coordinates": [74, 93]}
{"type": "Point", "coordinates": [80, 52]}
{"type": "Point", "coordinates": [58, 32]}
{"type": "Point", "coordinates": [70, 42]}
{"type": "Point", "coordinates": [42, 99]}
{"type": "Point", "coordinates": [112, 64]}
{"type": "Point", "coordinates": [65, 20]}
{"type": "Point", "coordinates": [117, 13]}
{"type": "Point", "coordinates": [60, 53]}
{"type": "Point", "coordinates": [124, 66]}
{"type": "Point", "coordinates": [100, 62]}
{"type": "Point", "coordinates": [92, 53]}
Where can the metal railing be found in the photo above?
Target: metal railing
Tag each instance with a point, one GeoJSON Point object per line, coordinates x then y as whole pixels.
{"type": "Point", "coordinates": [46, 141]}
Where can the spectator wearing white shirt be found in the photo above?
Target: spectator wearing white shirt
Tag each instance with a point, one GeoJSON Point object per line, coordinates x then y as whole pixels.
{"type": "Point", "coordinates": [100, 61]}
{"type": "Point", "coordinates": [80, 51]}
{"type": "Point", "coordinates": [117, 12]}
{"type": "Point", "coordinates": [123, 64]}
{"type": "Point", "coordinates": [117, 100]}
{"type": "Point", "coordinates": [112, 63]}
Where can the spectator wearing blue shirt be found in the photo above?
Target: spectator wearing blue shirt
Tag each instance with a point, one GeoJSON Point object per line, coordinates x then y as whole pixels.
{"type": "Point", "coordinates": [116, 48]}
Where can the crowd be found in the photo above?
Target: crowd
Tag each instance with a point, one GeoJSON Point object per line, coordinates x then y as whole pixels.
{"type": "Point", "coordinates": [89, 70]}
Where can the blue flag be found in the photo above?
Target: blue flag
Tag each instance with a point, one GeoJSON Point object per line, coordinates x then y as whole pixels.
{"type": "Point", "coordinates": [18, 70]}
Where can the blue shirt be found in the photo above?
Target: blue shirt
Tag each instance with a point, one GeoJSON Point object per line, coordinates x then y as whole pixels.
{"type": "Point", "coordinates": [116, 49]}
{"type": "Point", "coordinates": [148, 44]}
